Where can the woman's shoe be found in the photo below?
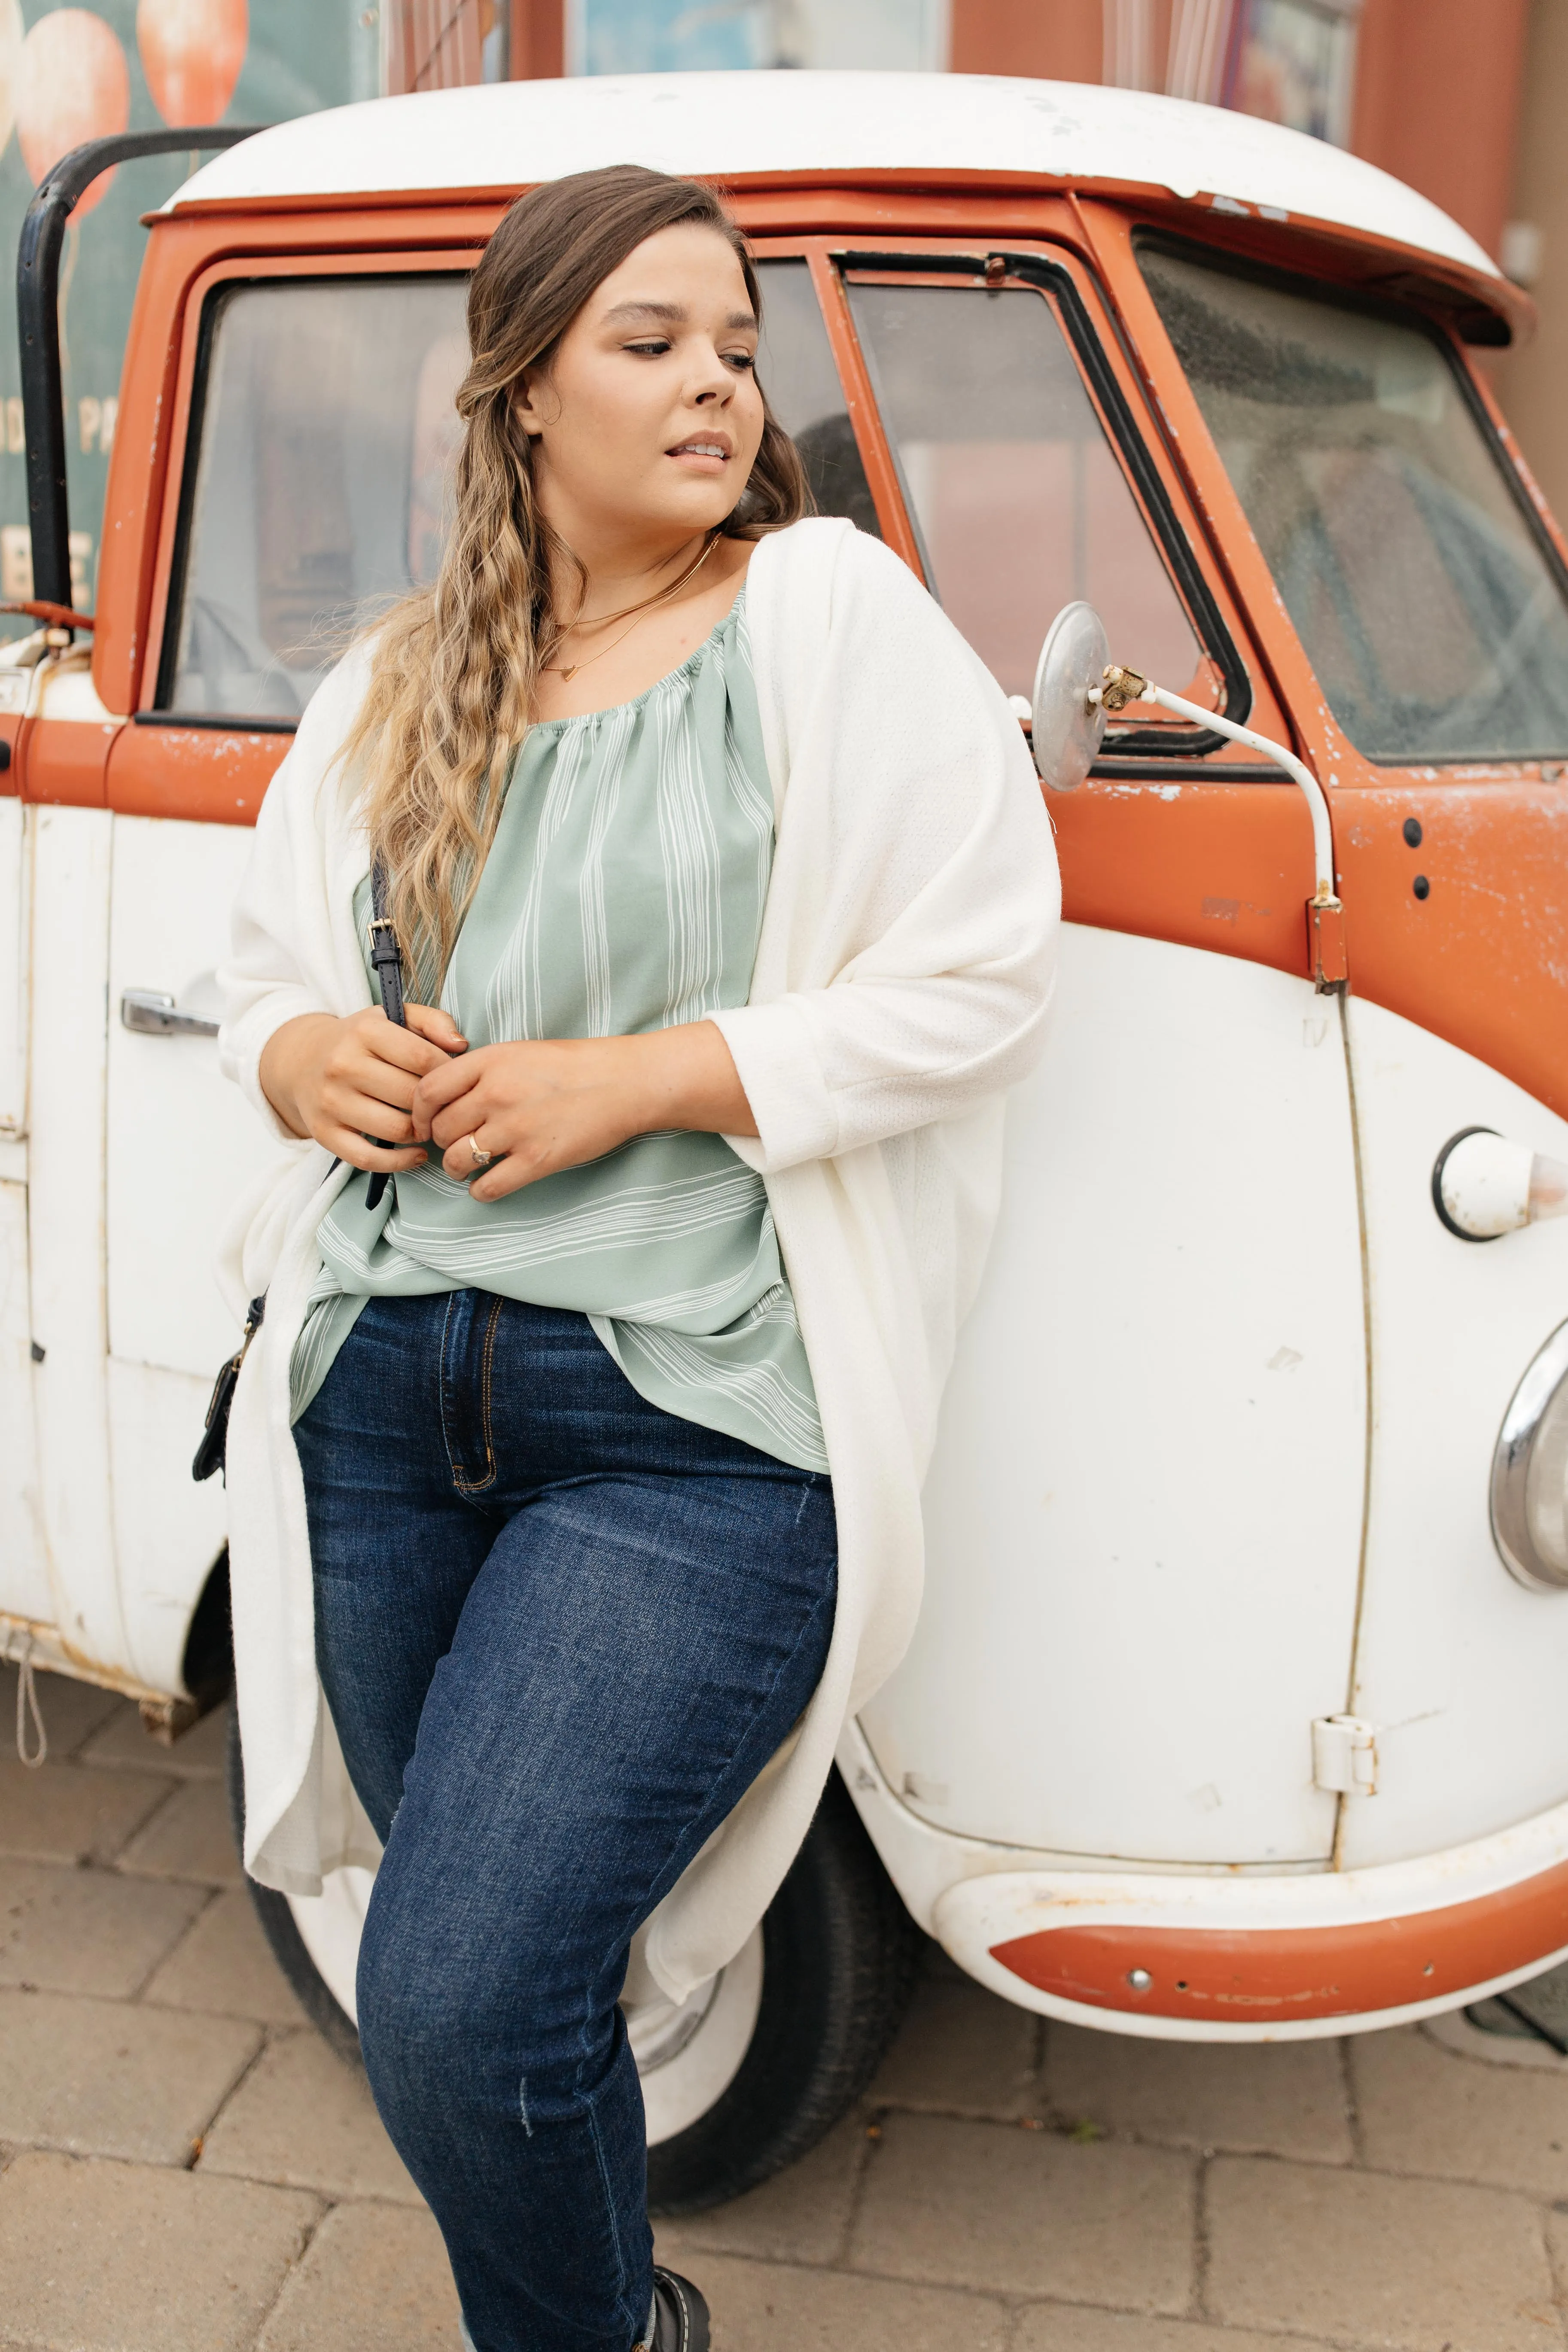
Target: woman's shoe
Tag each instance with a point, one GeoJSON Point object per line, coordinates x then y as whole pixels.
{"type": "Point", "coordinates": [681, 2315]}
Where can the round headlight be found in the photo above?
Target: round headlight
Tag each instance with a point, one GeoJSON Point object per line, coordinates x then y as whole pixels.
{"type": "Point", "coordinates": [1530, 1473]}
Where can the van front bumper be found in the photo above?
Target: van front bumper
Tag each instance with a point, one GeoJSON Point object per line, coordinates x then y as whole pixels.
{"type": "Point", "coordinates": [1255, 1958]}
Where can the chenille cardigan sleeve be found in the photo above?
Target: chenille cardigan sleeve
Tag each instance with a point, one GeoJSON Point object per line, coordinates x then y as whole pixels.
{"type": "Point", "coordinates": [289, 951]}
{"type": "Point", "coordinates": [906, 958]}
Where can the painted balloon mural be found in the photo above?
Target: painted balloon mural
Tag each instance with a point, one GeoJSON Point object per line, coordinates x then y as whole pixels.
{"type": "Point", "coordinates": [191, 51]}
{"type": "Point", "coordinates": [72, 83]}
{"type": "Point", "coordinates": [67, 80]}
{"type": "Point", "coordinates": [73, 70]}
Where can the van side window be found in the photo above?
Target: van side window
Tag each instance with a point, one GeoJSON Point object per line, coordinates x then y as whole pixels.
{"type": "Point", "coordinates": [795, 369]}
{"type": "Point", "coordinates": [1016, 496]}
{"type": "Point", "coordinates": [324, 427]}
{"type": "Point", "coordinates": [326, 421]}
{"type": "Point", "coordinates": [1422, 592]}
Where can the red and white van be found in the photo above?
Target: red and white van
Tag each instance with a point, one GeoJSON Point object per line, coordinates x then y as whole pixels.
{"type": "Point", "coordinates": [1237, 1706]}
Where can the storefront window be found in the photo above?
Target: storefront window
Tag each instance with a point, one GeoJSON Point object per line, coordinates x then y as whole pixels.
{"type": "Point", "coordinates": [1293, 61]}
{"type": "Point", "coordinates": [444, 44]}
{"type": "Point", "coordinates": [673, 37]}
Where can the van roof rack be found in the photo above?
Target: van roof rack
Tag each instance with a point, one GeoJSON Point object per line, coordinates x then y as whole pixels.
{"type": "Point", "coordinates": [38, 329]}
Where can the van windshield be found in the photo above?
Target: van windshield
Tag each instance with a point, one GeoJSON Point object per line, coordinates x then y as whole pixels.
{"type": "Point", "coordinates": [1426, 604]}
{"type": "Point", "coordinates": [322, 473]}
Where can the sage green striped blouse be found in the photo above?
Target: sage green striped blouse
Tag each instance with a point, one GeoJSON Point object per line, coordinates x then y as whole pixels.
{"type": "Point", "coordinates": [623, 893]}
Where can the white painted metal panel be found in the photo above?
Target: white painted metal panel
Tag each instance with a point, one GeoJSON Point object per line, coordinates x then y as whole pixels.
{"type": "Point", "coordinates": [181, 1140]}
{"type": "Point", "coordinates": [979, 1913]}
{"type": "Point", "coordinates": [68, 1016]}
{"type": "Point", "coordinates": [1463, 1671]}
{"type": "Point", "coordinates": [25, 1590]}
{"type": "Point", "coordinates": [168, 1531]}
{"type": "Point", "coordinates": [512, 134]}
{"type": "Point", "coordinates": [13, 968]}
{"type": "Point", "coordinates": [1144, 1512]}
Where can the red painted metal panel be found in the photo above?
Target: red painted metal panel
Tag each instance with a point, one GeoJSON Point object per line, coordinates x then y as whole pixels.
{"type": "Point", "coordinates": [63, 760]}
{"type": "Point", "coordinates": [209, 775]}
{"type": "Point", "coordinates": [1254, 1975]}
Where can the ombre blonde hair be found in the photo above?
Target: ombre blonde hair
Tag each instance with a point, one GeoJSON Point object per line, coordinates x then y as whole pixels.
{"type": "Point", "coordinates": [455, 667]}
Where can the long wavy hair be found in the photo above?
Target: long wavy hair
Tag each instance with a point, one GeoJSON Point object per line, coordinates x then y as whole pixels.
{"type": "Point", "coordinates": [455, 667]}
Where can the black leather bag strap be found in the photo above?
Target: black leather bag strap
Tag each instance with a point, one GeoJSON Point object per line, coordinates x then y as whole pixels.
{"type": "Point", "coordinates": [386, 956]}
{"type": "Point", "coordinates": [384, 952]}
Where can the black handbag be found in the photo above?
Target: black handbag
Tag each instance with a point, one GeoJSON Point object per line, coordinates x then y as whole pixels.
{"type": "Point", "coordinates": [212, 1452]}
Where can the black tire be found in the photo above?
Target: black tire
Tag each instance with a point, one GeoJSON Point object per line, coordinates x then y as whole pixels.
{"type": "Point", "coordinates": [309, 1986]}
{"type": "Point", "coordinates": [839, 1955]}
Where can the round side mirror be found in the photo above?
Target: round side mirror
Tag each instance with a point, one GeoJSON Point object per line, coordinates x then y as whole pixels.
{"type": "Point", "coordinates": [1068, 727]}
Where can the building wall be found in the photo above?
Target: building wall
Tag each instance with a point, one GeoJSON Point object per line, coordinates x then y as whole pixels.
{"type": "Point", "coordinates": [1438, 98]}
{"type": "Point", "coordinates": [1055, 40]}
{"type": "Point", "coordinates": [1530, 380]}
{"type": "Point", "coordinates": [1437, 81]}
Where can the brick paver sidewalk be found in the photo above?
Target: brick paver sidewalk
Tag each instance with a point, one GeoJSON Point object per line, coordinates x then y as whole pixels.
{"type": "Point", "coordinates": [186, 2167]}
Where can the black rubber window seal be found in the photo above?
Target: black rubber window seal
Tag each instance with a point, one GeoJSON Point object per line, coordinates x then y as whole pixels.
{"type": "Point", "coordinates": [212, 309]}
{"type": "Point", "coordinates": [228, 722]}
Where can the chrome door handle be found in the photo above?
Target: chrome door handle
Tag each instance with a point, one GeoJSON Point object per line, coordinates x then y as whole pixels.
{"type": "Point", "coordinates": [153, 1014]}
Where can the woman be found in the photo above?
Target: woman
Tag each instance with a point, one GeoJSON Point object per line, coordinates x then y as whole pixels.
{"type": "Point", "coordinates": [726, 905]}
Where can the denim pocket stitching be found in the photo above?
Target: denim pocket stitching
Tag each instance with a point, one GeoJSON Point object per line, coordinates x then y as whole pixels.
{"type": "Point", "coordinates": [487, 1366]}
{"type": "Point", "coordinates": [444, 1390]}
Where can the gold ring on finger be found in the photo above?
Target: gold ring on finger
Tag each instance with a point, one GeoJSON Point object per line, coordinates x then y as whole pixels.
{"type": "Point", "coordinates": [480, 1158]}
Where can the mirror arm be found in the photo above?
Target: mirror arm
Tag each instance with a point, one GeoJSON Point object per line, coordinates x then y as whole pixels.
{"type": "Point", "coordinates": [1076, 689]}
{"type": "Point", "coordinates": [1325, 894]}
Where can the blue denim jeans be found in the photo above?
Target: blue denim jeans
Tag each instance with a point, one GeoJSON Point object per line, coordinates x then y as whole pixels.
{"type": "Point", "coordinates": [561, 1632]}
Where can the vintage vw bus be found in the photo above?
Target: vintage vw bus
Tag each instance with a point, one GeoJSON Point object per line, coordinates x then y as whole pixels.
{"type": "Point", "coordinates": [1236, 1709]}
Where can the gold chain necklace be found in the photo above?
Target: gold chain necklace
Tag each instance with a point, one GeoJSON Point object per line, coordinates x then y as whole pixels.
{"type": "Point", "coordinates": [565, 671]}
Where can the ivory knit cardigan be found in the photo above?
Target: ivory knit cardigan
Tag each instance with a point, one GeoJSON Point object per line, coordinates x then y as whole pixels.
{"type": "Point", "coordinates": [902, 983]}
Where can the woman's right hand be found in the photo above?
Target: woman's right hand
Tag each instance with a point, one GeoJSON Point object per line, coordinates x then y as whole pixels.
{"type": "Point", "coordinates": [344, 1081]}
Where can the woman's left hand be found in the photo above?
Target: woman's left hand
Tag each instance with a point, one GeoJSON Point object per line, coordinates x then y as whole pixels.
{"type": "Point", "coordinates": [536, 1107]}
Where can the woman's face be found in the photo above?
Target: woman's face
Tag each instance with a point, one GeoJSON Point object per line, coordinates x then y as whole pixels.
{"type": "Point", "coordinates": [650, 415]}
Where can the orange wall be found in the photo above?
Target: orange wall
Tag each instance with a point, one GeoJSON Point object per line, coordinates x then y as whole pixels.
{"type": "Point", "coordinates": [538, 40]}
{"type": "Point", "coordinates": [1529, 379]}
{"type": "Point", "coordinates": [1055, 40]}
{"type": "Point", "coordinates": [1437, 101]}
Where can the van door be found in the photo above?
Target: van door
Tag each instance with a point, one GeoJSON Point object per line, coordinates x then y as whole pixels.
{"type": "Point", "coordinates": [179, 1142]}
{"type": "Point", "coordinates": [1143, 1514]}
{"type": "Point", "coordinates": [320, 419]}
